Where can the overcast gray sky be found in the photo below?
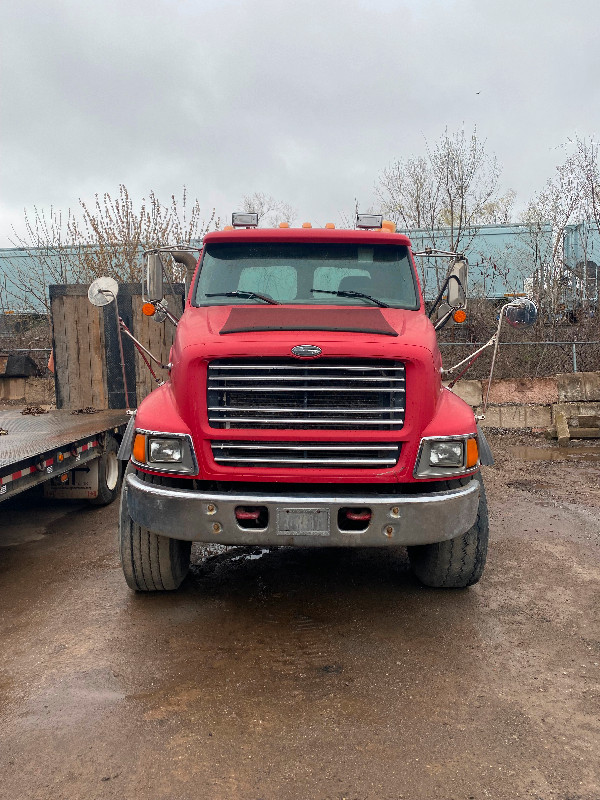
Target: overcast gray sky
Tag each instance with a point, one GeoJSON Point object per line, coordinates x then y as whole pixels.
{"type": "Point", "coordinates": [307, 101]}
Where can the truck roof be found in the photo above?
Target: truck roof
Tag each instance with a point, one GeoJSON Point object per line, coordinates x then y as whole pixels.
{"type": "Point", "coordinates": [376, 236]}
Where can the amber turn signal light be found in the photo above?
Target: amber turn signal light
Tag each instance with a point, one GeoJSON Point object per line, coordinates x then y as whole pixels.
{"type": "Point", "coordinates": [472, 453]}
{"type": "Point", "coordinates": [459, 315]}
{"type": "Point", "coordinates": [148, 310]}
{"type": "Point", "coordinates": [139, 448]}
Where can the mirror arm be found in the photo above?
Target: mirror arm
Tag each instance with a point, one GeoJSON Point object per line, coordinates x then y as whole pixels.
{"type": "Point", "coordinates": [140, 346]}
{"type": "Point", "coordinates": [445, 319]}
{"type": "Point", "coordinates": [496, 344]}
{"type": "Point", "coordinates": [162, 307]}
{"type": "Point", "coordinates": [470, 358]}
{"type": "Point", "coordinates": [432, 252]}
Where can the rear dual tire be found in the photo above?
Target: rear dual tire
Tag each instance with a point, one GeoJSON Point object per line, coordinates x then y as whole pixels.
{"type": "Point", "coordinates": [109, 474]}
{"type": "Point", "coordinates": [455, 563]}
{"type": "Point", "coordinates": [151, 563]}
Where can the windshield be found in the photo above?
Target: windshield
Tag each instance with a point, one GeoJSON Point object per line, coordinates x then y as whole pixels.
{"type": "Point", "coordinates": [342, 274]}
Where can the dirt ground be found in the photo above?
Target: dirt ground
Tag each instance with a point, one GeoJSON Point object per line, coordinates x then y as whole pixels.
{"type": "Point", "coordinates": [309, 674]}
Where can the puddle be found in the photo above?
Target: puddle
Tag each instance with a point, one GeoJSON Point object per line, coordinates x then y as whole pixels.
{"type": "Point", "coordinates": [555, 453]}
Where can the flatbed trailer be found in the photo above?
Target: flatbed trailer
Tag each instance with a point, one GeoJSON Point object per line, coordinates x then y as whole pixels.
{"type": "Point", "coordinates": [73, 455]}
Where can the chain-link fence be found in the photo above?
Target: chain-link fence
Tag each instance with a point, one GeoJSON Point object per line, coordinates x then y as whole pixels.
{"type": "Point", "coordinates": [529, 359]}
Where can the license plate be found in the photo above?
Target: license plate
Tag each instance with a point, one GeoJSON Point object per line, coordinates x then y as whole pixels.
{"type": "Point", "coordinates": [303, 521]}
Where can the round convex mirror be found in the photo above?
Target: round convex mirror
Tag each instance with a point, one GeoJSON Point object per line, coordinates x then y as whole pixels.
{"type": "Point", "coordinates": [103, 291]}
{"type": "Point", "coordinates": [521, 313]}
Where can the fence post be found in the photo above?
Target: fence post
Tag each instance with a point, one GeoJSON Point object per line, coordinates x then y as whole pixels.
{"type": "Point", "coordinates": [574, 358]}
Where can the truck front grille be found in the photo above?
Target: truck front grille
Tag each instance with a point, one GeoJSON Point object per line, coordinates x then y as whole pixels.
{"type": "Point", "coordinates": [328, 394]}
{"type": "Point", "coordinates": [319, 455]}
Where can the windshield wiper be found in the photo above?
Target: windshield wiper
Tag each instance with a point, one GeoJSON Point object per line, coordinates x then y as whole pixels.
{"type": "Point", "coordinates": [265, 298]}
{"type": "Point", "coordinates": [351, 293]}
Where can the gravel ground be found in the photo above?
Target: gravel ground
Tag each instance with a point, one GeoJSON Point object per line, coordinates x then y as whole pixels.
{"type": "Point", "coordinates": [310, 674]}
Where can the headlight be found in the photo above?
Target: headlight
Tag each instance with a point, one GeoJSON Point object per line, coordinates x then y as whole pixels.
{"type": "Point", "coordinates": [169, 450]}
{"type": "Point", "coordinates": [164, 452]}
{"type": "Point", "coordinates": [446, 456]}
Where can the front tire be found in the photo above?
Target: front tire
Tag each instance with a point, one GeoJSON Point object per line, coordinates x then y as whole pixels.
{"type": "Point", "coordinates": [151, 563]}
{"type": "Point", "coordinates": [455, 563]}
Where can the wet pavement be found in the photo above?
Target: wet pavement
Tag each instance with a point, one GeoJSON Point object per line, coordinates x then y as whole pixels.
{"type": "Point", "coordinates": [570, 453]}
{"type": "Point", "coordinates": [307, 674]}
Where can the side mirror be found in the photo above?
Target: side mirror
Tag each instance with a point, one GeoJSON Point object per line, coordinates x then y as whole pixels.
{"type": "Point", "coordinates": [153, 279]}
{"type": "Point", "coordinates": [521, 313]}
{"type": "Point", "coordinates": [457, 292]}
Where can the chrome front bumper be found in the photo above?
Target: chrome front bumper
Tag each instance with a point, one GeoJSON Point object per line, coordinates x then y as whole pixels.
{"type": "Point", "coordinates": [210, 516]}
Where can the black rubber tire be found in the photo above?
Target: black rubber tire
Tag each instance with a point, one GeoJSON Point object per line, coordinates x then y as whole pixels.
{"type": "Point", "coordinates": [110, 474]}
{"type": "Point", "coordinates": [151, 563]}
{"type": "Point", "coordinates": [455, 563]}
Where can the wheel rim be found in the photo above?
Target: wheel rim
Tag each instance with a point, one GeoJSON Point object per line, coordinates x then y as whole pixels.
{"type": "Point", "coordinates": [112, 470]}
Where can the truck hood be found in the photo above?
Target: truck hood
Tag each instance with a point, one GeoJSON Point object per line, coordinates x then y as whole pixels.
{"type": "Point", "coordinates": [218, 331]}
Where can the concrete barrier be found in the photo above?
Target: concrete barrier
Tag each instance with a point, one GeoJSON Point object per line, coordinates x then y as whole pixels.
{"type": "Point", "coordinates": [578, 386]}
{"type": "Point", "coordinates": [540, 391]}
{"type": "Point", "coordinates": [515, 416]}
{"type": "Point", "coordinates": [533, 402]}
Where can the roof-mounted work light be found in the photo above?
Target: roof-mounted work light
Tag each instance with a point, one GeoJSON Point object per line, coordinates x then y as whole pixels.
{"type": "Point", "coordinates": [239, 220]}
{"type": "Point", "coordinates": [369, 220]}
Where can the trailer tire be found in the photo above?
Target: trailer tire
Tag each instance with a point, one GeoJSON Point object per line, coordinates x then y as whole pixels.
{"type": "Point", "coordinates": [109, 474]}
{"type": "Point", "coordinates": [151, 563]}
{"type": "Point", "coordinates": [455, 563]}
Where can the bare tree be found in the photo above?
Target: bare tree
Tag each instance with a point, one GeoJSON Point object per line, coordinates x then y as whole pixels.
{"type": "Point", "coordinates": [447, 192]}
{"type": "Point", "coordinates": [107, 238]}
{"type": "Point", "coordinates": [271, 212]}
{"type": "Point", "coordinates": [46, 254]}
{"type": "Point", "coordinates": [567, 199]}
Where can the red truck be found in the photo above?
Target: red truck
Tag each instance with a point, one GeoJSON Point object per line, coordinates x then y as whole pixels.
{"type": "Point", "coordinates": [304, 407]}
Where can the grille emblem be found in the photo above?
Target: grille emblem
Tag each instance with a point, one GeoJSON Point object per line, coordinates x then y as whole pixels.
{"type": "Point", "coordinates": [306, 351]}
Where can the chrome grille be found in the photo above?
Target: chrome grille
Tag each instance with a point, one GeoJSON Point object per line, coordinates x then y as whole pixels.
{"type": "Point", "coordinates": [332, 455]}
{"type": "Point", "coordinates": [327, 394]}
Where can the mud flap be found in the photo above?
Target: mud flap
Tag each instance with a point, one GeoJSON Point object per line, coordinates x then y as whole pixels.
{"type": "Point", "coordinates": [485, 453]}
{"type": "Point", "coordinates": [126, 447]}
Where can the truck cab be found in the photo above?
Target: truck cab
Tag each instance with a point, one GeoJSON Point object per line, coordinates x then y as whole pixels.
{"type": "Point", "coordinates": [304, 407]}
